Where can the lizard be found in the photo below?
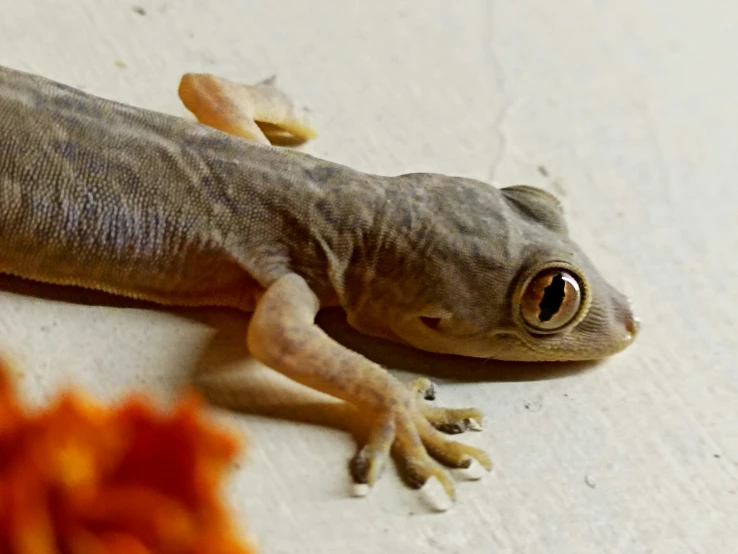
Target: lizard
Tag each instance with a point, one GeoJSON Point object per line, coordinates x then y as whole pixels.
{"type": "Point", "coordinates": [107, 196]}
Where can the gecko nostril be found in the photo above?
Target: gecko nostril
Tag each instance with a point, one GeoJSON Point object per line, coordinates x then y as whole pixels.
{"type": "Point", "coordinates": [632, 322]}
{"type": "Point", "coordinates": [632, 325]}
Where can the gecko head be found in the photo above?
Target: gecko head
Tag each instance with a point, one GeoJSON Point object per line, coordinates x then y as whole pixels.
{"type": "Point", "coordinates": [513, 286]}
{"type": "Point", "coordinates": [555, 313]}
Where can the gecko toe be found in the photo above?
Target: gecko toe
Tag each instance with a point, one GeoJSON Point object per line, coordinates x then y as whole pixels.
{"type": "Point", "coordinates": [434, 493]}
{"type": "Point", "coordinates": [418, 471]}
{"type": "Point", "coordinates": [417, 466]}
{"type": "Point", "coordinates": [474, 424]}
{"type": "Point", "coordinates": [360, 490]}
{"type": "Point", "coordinates": [451, 453]}
{"type": "Point", "coordinates": [369, 463]}
{"type": "Point", "coordinates": [475, 471]}
{"type": "Point", "coordinates": [425, 388]}
{"type": "Point", "coordinates": [453, 421]}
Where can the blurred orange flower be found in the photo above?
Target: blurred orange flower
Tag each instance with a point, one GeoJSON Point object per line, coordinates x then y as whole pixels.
{"type": "Point", "coordinates": [81, 478]}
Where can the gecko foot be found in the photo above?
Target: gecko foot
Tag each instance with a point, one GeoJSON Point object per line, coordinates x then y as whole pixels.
{"type": "Point", "coordinates": [404, 429]}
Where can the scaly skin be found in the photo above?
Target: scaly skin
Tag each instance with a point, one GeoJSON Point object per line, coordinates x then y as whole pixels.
{"type": "Point", "coordinates": [102, 195]}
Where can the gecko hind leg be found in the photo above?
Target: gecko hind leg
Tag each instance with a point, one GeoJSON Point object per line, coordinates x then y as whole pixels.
{"type": "Point", "coordinates": [261, 113]}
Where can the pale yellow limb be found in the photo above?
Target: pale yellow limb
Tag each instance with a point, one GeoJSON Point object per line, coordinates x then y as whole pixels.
{"type": "Point", "coordinates": [261, 113]}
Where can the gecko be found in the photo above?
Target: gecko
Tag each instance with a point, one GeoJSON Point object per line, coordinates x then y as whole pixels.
{"type": "Point", "coordinates": [106, 196]}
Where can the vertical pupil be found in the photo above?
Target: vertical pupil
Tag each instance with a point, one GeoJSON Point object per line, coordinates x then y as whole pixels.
{"type": "Point", "coordinates": [553, 297]}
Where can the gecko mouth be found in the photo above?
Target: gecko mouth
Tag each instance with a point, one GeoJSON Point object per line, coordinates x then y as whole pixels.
{"type": "Point", "coordinates": [431, 322]}
{"type": "Point", "coordinates": [512, 343]}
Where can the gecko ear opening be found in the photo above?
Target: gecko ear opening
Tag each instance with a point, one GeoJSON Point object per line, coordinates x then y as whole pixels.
{"type": "Point", "coordinates": [537, 205]}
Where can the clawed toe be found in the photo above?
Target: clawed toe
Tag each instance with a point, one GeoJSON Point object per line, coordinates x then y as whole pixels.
{"type": "Point", "coordinates": [453, 421]}
{"type": "Point", "coordinates": [423, 387]}
{"type": "Point", "coordinates": [451, 453]}
{"type": "Point", "coordinates": [410, 430]}
{"type": "Point", "coordinates": [368, 464]}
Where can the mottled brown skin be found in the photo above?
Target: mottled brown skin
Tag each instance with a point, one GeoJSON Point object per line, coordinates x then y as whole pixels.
{"type": "Point", "coordinates": [111, 197]}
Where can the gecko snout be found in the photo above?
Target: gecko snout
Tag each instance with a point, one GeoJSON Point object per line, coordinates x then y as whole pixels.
{"type": "Point", "coordinates": [633, 325]}
{"type": "Point", "coordinates": [632, 321]}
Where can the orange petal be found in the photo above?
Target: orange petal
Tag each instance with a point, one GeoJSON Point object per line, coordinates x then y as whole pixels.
{"type": "Point", "coordinates": [153, 517]}
{"type": "Point", "coordinates": [94, 480]}
{"type": "Point", "coordinates": [11, 416]}
{"type": "Point", "coordinates": [171, 453]}
{"type": "Point", "coordinates": [29, 526]}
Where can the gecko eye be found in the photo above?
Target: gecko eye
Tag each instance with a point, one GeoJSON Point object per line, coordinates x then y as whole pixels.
{"type": "Point", "coordinates": [551, 300]}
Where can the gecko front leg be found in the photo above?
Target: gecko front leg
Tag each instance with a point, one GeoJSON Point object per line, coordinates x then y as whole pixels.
{"type": "Point", "coordinates": [283, 335]}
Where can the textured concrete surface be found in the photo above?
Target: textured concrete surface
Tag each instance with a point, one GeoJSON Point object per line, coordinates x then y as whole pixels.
{"type": "Point", "coordinates": [626, 110]}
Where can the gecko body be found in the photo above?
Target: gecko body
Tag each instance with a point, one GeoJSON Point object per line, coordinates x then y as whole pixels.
{"type": "Point", "coordinates": [102, 195]}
